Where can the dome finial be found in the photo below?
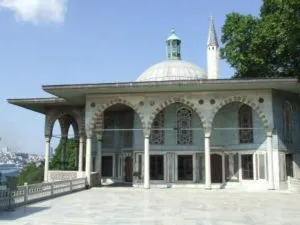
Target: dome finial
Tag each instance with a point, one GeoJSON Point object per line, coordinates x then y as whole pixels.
{"type": "Point", "coordinates": [173, 46]}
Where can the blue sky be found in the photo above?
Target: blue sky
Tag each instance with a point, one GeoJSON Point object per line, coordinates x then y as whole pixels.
{"type": "Point", "coordinates": [60, 41]}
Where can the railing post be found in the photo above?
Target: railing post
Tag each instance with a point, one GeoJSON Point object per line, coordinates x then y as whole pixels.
{"type": "Point", "coordinates": [25, 193]}
{"type": "Point", "coordinates": [52, 191]}
{"type": "Point", "coordinates": [71, 188]}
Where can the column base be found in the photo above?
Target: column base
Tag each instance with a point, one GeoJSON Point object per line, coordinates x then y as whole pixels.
{"type": "Point", "coordinates": [207, 188]}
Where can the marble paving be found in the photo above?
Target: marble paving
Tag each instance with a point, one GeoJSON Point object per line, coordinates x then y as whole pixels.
{"type": "Point", "coordinates": [128, 206]}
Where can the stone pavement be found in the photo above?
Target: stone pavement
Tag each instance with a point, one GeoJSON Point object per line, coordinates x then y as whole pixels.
{"type": "Point", "coordinates": [124, 206]}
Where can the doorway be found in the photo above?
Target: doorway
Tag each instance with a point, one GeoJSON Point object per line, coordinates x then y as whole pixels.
{"type": "Point", "coordinates": [185, 167]}
{"type": "Point", "coordinates": [216, 168]}
{"type": "Point", "coordinates": [128, 169]}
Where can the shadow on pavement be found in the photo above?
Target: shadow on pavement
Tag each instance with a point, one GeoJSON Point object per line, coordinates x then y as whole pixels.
{"type": "Point", "coordinates": [20, 212]}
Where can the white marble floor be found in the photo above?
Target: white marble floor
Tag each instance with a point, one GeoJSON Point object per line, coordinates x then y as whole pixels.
{"type": "Point", "coordinates": [126, 206]}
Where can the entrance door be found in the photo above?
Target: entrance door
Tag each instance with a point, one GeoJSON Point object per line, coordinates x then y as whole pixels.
{"type": "Point", "coordinates": [216, 168]}
{"type": "Point", "coordinates": [128, 169]}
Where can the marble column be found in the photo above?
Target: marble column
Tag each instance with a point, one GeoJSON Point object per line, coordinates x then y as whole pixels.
{"type": "Point", "coordinates": [207, 161]}
{"type": "Point", "coordinates": [99, 154]}
{"type": "Point", "coordinates": [47, 154]}
{"type": "Point", "coordinates": [270, 161]}
{"type": "Point", "coordinates": [63, 152]}
{"type": "Point", "coordinates": [88, 160]}
{"type": "Point", "coordinates": [80, 156]}
{"type": "Point", "coordinates": [146, 163]}
{"type": "Point", "coordinates": [223, 168]}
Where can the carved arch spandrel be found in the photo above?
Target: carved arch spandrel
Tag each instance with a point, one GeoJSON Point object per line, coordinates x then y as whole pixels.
{"type": "Point", "coordinates": [66, 118]}
{"type": "Point", "coordinates": [171, 101]}
{"type": "Point", "coordinates": [245, 100]}
{"type": "Point", "coordinates": [97, 120]}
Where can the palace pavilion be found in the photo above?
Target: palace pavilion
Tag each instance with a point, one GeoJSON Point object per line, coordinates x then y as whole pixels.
{"type": "Point", "coordinates": [177, 125]}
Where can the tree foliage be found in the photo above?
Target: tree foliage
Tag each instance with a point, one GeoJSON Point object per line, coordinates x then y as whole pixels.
{"type": "Point", "coordinates": [264, 46]}
{"type": "Point", "coordinates": [70, 156]}
{"type": "Point", "coordinates": [32, 174]}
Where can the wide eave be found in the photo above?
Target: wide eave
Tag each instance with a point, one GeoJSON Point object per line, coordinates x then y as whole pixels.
{"type": "Point", "coordinates": [79, 91]}
{"type": "Point", "coordinates": [42, 105]}
{"type": "Point", "coordinates": [75, 94]}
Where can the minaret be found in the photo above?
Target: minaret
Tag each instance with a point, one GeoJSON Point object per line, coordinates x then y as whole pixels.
{"type": "Point", "coordinates": [212, 52]}
{"type": "Point", "coordinates": [173, 46]}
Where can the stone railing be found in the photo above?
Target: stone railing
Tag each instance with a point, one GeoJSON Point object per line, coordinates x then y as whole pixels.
{"type": "Point", "coordinates": [58, 175]}
{"type": "Point", "coordinates": [294, 184]}
{"type": "Point", "coordinates": [26, 194]}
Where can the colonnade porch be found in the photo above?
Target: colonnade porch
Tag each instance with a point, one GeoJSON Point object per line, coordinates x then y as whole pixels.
{"type": "Point", "coordinates": [209, 176]}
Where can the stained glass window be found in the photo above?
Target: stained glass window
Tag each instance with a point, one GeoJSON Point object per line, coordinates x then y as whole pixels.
{"type": "Point", "coordinates": [245, 124]}
{"type": "Point", "coordinates": [157, 132]}
{"type": "Point", "coordinates": [184, 125]}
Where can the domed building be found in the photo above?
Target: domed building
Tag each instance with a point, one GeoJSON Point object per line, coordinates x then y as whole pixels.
{"type": "Point", "coordinates": [177, 125]}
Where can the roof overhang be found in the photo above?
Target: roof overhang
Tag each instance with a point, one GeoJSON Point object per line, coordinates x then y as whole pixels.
{"type": "Point", "coordinates": [41, 105]}
{"type": "Point", "coordinates": [80, 91]}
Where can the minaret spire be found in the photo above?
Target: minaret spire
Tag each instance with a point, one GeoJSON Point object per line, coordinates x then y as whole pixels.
{"type": "Point", "coordinates": [212, 52]}
{"type": "Point", "coordinates": [212, 34]}
{"type": "Point", "coordinates": [173, 46]}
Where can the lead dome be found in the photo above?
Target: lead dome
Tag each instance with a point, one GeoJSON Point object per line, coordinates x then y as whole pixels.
{"type": "Point", "coordinates": [173, 68]}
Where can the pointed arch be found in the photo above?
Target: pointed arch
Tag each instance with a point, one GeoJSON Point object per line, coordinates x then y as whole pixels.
{"type": "Point", "coordinates": [171, 101]}
{"type": "Point", "coordinates": [97, 120]}
{"type": "Point", "coordinates": [66, 118]}
{"type": "Point", "coordinates": [245, 100]}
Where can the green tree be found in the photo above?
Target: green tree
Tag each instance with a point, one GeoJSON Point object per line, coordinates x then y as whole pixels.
{"type": "Point", "coordinates": [264, 46]}
{"type": "Point", "coordinates": [70, 156]}
{"type": "Point", "coordinates": [32, 174]}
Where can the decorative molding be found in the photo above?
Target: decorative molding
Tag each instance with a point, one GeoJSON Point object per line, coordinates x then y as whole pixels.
{"type": "Point", "coordinates": [97, 120]}
{"type": "Point", "coordinates": [171, 101]}
{"type": "Point", "coordinates": [245, 100]}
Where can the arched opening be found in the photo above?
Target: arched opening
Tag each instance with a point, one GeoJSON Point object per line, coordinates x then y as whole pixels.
{"type": "Point", "coordinates": [64, 144]}
{"type": "Point", "coordinates": [175, 138]}
{"type": "Point", "coordinates": [238, 134]}
{"type": "Point", "coordinates": [122, 132]}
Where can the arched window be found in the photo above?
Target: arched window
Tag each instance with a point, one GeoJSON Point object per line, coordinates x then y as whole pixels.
{"type": "Point", "coordinates": [109, 135]}
{"type": "Point", "coordinates": [245, 124]}
{"type": "Point", "coordinates": [287, 121]}
{"type": "Point", "coordinates": [157, 135]}
{"type": "Point", "coordinates": [184, 123]}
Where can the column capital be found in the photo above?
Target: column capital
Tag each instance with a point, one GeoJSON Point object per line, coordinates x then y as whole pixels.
{"type": "Point", "coordinates": [99, 136]}
{"type": "Point", "coordinates": [269, 132]}
{"type": "Point", "coordinates": [81, 139]}
{"type": "Point", "coordinates": [48, 138]}
{"type": "Point", "coordinates": [207, 131]}
{"type": "Point", "coordinates": [89, 134]}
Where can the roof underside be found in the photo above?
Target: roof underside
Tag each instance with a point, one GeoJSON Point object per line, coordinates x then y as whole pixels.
{"type": "Point", "coordinates": [41, 105]}
{"type": "Point", "coordinates": [75, 94]}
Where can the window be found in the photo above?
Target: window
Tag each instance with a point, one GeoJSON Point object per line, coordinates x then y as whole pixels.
{"type": "Point", "coordinates": [185, 167]}
{"type": "Point", "coordinates": [184, 124]}
{"type": "Point", "coordinates": [247, 167]}
{"type": "Point", "coordinates": [156, 167]}
{"type": "Point", "coordinates": [157, 135]}
{"type": "Point", "coordinates": [107, 166]}
{"type": "Point", "coordinates": [109, 135]}
{"type": "Point", "coordinates": [245, 124]}
{"type": "Point", "coordinates": [287, 120]}
{"type": "Point", "coordinates": [289, 165]}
